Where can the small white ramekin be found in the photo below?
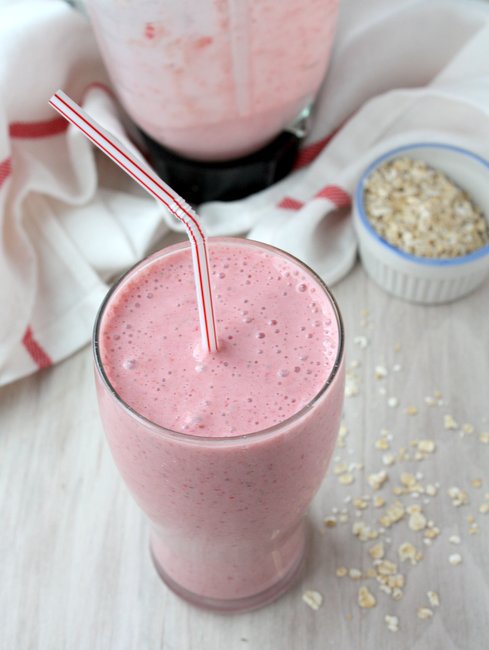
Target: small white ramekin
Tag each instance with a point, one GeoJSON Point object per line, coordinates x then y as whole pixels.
{"type": "Point", "coordinates": [422, 279]}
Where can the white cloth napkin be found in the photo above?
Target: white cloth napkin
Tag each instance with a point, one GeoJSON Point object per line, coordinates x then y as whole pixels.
{"type": "Point", "coordinates": [401, 72]}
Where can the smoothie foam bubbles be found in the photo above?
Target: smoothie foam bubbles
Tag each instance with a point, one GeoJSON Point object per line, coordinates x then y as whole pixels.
{"type": "Point", "coordinates": [278, 342]}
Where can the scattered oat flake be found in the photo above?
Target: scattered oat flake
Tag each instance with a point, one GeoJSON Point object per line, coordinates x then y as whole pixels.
{"type": "Point", "coordinates": [396, 580]}
{"type": "Point", "coordinates": [346, 479]}
{"type": "Point", "coordinates": [408, 479]}
{"type": "Point", "coordinates": [431, 533]}
{"type": "Point", "coordinates": [361, 341]}
{"type": "Point", "coordinates": [392, 402]}
{"type": "Point", "coordinates": [484, 508]}
{"type": "Point", "coordinates": [454, 539]}
{"type": "Point", "coordinates": [459, 497]}
{"type": "Point", "coordinates": [411, 410]}
{"type": "Point", "coordinates": [340, 468]}
{"type": "Point", "coordinates": [468, 428]}
{"type": "Point", "coordinates": [377, 479]}
{"type": "Point", "coordinates": [366, 599]}
{"type": "Point", "coordinates": [476, 483]}
{"type": "Point", "coordinates": [449, 422]}
{"type": "Point", "coordinates": [380, 372]}
{"type": "Point", "coordinates": [430, 401]}
{"type": "Point", "coordinates": [360, 504]}
{"type": "Point", "coordinates": [386, 568]}
{"type": "Point", "coordinates": [355, 574]}
{"type": "Point", "coordinates": [417, 521]}
{"type": "Point", "coordinates": [455, 558]}
{"type": "Point", "coordinates": [414, 507]}
{"type": "Point", "coordinates": [330, 522]}
{"type": "Point", "coordinates": [424, 613]}
{"type": "Point", "coordinates": [343, 432]}
{"type": "Point", "coordinates": [397, 594]}
{"type": "Point", "coordinates": [393, 514]}
{"type": "Point", "coordinates": [378, 501]}
{"type": "Point", "coordinates": [313, 599]}
{"type": "Point", "coordinates": [431, 490]}
{"type": "Point", "coordinates": [427, 446]}
{"type": "Point", "coordinates": [484, 438]}
{"type": "Point", "coordinates": [341, 571]}
{"type": "Point", "coordinates": [392, 623]}
{"type": "Point", "coordinates": [388, 459]}
{"type": "Point", "coordinates": [409, 552]}
{"type": "Point", "coordinates": [351, 386]}
{"type": "Point", "coordinates": [434, 598]}
{"type": "Point", "coordinates": [382, 443]}
{"type": "Point", "coordinates": [376, 551]}
{"type": "Point", "coordinates": [364, 532]}
{"type": "Point", "coordinates": [403, 454]}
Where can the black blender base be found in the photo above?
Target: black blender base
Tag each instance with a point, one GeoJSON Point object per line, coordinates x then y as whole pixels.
{"type": "Point", "coordinates": [228, 180]}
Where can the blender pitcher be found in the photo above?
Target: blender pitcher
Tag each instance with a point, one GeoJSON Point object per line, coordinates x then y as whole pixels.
{"type": "Point", "coordinates": [214, 81]}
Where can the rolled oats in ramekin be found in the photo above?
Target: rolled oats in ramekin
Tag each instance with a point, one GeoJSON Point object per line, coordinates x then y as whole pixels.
{"type": "Point", "coordinates": [421, 215]}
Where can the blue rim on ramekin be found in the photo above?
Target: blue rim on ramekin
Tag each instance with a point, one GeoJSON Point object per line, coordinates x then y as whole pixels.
{"type": "Point", "coordinates": [452, 261]}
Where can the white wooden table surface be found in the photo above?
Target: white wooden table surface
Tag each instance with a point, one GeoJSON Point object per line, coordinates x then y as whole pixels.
{"type": "Point", "coordinates": [75, 571]}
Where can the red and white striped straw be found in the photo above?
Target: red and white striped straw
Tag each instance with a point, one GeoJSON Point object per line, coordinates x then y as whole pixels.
{"type": "Point", "coordinates": [153, 184]}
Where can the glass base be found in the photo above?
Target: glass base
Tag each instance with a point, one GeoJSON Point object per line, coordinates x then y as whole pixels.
{"type": "Point", "coordinates": [235, 605]}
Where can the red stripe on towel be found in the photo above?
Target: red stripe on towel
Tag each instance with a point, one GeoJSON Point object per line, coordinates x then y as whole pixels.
{"type": "Point", "coordinates": [41, 129]}
{"type": "Point", "coordinates": [288, 203]}
{"type": "Point", "coordinates": [39, 356]}
{"type": "Point", "coordinates": [336, 195]}
{"type": "Point", "coordinates": [5, 170]}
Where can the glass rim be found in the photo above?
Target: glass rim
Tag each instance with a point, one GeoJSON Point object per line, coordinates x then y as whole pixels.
{"type": "Point", "coordinates": [228, 439]}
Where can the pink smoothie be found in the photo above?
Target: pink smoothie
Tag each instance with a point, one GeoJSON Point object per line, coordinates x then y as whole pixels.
{"type": "Point", "coordinates": [231, 447]}
{"type": "Point", "coordinates": [215, 79]}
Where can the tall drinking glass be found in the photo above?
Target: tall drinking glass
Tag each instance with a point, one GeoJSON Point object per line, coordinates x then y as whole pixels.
{"type": "Point", "coordinates": [227, 509]}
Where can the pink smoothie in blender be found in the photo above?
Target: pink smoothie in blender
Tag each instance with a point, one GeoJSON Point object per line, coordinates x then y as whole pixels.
{"type": "Point", "coordinates": [215, 79]}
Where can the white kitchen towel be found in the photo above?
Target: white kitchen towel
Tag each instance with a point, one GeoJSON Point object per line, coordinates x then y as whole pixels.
{"type": "Point", "coordinates": [401, 72]}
